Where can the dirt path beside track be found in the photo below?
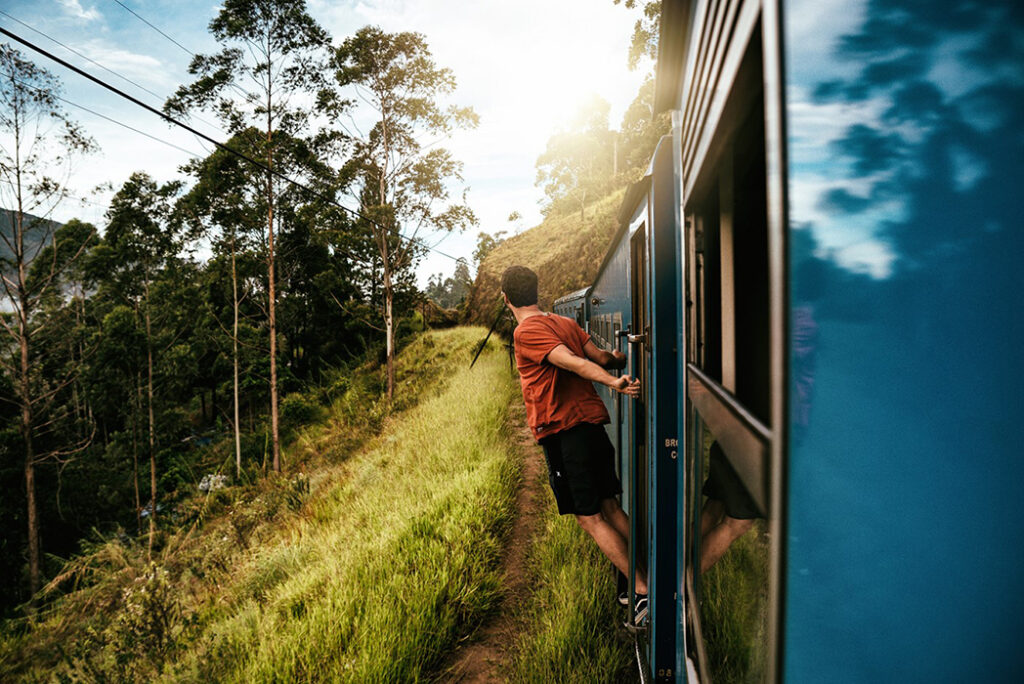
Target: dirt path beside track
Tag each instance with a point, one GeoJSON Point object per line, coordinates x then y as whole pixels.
{"type": "Point", "coordinates": [483, 657]}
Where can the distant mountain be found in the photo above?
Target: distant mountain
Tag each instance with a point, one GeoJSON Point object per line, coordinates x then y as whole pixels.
{"type": "Point", "coordinates": [38, 232]}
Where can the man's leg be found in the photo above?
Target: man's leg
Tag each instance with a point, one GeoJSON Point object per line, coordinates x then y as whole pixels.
{"type": "Point", "coordinates": [612, 544]}
{"type": "Point", "coordinates": [613, 513]}
{"type": "Point", "coordinates": [717, 541]}
{"type": "Point", "coordinates": [711, 515]}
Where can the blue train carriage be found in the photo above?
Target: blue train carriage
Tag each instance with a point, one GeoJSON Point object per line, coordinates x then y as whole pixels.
{"type": "Point", "coordinates": [576, 306]}
{"type": "Point", "coordinates": [851, 230]}
{"type": "Point", "coordinates": [634, 308]}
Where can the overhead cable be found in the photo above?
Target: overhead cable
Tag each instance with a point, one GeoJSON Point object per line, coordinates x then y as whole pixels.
{"type": "Point", "coordinates": [274, 172]}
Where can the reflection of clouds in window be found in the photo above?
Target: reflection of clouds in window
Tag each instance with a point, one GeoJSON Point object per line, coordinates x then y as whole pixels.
{"type": "Point", "coordinates": [868, 257]}
{"type": "Point", "coordinates": [816, 28]}
{"type": "Point", "coordinates": [850, 238]}
{"type": "Point", "coordinates": [898, 127]}
{"type": "Point", "coordinates": [968, 168]}
{"type": "Point", "coordinates": [828, 192]}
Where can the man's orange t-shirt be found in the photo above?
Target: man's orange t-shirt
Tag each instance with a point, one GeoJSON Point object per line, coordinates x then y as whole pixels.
{"type": "Point", "coordinates": [556, 399]}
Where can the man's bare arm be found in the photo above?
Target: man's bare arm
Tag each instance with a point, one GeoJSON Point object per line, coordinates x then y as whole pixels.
{"type": "Point", "coordinates": [614, 360]}
{"type": "Point", "coordinates": [562, 357]}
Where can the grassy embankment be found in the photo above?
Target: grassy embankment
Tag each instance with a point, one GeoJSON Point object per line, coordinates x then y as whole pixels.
{"type": "Point", "coordinates": [572, 625]}
{"type": "Point", "coordinates": [371, 569]}
{"type": "Point", "coordinates": [368, 570]}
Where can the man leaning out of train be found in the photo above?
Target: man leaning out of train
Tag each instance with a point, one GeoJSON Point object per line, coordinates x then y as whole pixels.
{"type": "Point", "coordinates": [558, 364]}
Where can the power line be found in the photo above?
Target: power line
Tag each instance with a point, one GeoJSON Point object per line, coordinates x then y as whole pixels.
{"type": "Point", "coordinates": [139, 17]}
{"type": "Point", "coordinates": [101, 66]}
{"type": "Point", "coordinates": [238, 89]}
{"type": "Point", "coordinates": [107, 118]}
{"type": "Point", "coordinates": [168, 118]}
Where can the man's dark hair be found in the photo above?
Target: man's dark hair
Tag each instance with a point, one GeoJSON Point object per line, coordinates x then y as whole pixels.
{"type": "Point", "coordinates": [520, 285]}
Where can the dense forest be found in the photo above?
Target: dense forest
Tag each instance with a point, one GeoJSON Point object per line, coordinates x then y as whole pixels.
{"type": "Point", "coordinates": [177, 346]}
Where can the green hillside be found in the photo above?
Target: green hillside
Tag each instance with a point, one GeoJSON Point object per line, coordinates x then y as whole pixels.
{"type": "Point", "coordinates": [367, 568]}
{"type": "Point", "coordinates": [564, 250]}
{"type": "Point", "coordinates": [377, 563]}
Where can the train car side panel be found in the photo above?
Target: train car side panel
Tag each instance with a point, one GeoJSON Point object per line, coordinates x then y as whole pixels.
{"type": "Point", "coordinates": [906, 226]}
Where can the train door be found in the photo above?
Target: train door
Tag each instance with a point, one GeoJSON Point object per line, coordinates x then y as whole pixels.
{"type": "Point", "coordinates": [732, 342]}
{"type": "Point", "coordinates": [640, 471]}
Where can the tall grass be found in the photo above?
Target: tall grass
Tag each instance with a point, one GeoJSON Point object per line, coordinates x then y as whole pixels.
{"type": "Point", "coordinates": [571, 631]}
{"type": "Point", "coordinates": [369, 569]}
{"type": "Point", "coordinates": [734, 604]}
{"type": "Point", "coordinates": [392, 565]}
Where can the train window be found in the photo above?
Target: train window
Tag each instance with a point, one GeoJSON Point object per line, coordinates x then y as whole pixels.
{"type": "Point", "coordinates": [729, 381]}
{"type": "Point", "coordinates": [734, 592]}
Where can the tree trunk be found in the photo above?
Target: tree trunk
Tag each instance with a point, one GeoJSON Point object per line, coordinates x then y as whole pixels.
{"type": "Point", "coordinates": [234, 350]}
{"type": "Point", "coordinates": [271, 314]}
{"type": "Point", "coordinates": [389, 331]}
{"type": "Point", "coordinates": [25, 398]}
{"type": "Point", "coordinates": [34, 572]}
{"type": "Point", "coordinates": [152, 426]}
{"type": "Point", "coordinates": [136, 406]}
{"type": "Point", "coordinates": [389, 318]}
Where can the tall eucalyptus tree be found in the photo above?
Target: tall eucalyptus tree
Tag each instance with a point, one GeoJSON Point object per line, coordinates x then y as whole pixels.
{"type": "Point", "coordinates": [268, 64]}
{"type": "Point", "coordinates": [404, 174]}
{"type": "Point", "coordinates": [38, 144]}
{"type": "Point", "coordinates": [139, 243]}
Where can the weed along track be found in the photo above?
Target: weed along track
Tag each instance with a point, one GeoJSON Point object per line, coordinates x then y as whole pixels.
{"type": "Point", "coordinates": [557, 621]}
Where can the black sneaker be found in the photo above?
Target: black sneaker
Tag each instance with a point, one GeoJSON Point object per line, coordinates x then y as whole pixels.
{"type": "Point", "coordinates": [623, 598]}
{"type": "Point", "coordinates": [621, 588]}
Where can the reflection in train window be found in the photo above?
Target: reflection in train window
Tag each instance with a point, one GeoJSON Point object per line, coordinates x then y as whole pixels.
{"type": "Point", "coordinates": [734, 595]}
{"type": "Point", "coordinates": [729, 392]}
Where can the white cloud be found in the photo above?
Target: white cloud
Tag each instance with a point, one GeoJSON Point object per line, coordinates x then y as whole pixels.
{"type": "Point", "coordinates": [134, 65]}
{"type": "Point", "coordinates": [75, 9]}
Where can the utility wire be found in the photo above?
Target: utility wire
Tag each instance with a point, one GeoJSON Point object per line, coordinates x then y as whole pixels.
{"type": "Point", "coordinates": [190, 129]}
{"type": "Point", "coordinates": [101, 66]}
{"type": "Point", "coordinates": [138, 16]}
{"type": "Point", "coordinates": [107, 118]}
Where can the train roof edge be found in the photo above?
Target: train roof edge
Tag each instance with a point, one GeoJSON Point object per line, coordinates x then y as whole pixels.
{"type": "Point", "coordinates": [573, 295]}
{"type": "Point", "coordinates": [675, 20]}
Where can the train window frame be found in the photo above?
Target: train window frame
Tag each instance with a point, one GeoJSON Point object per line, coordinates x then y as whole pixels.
{"type": "Point", "coordinates": [708, 126]}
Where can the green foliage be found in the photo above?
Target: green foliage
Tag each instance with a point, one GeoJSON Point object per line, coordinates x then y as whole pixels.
{"type": "Point", "coordinates": [644, 42]}
{"type": "Point", "coordinates": [298, 409]}
{"type": "Point", "coordinates": [485, 243]}
{"type": "Point", "coordinates": [450, 292]}
{"type": "Point", "coordinates": [143, 634]}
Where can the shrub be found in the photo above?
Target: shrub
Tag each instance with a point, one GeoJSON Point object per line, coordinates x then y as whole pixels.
{"type": "Point", "coordinates": [297, 409]}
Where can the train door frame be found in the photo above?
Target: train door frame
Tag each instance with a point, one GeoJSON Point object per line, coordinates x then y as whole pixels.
{"type": "Point", "coordinates": [662, 339]}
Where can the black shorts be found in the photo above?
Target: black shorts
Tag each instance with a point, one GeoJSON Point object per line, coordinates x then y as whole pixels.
{"type": "Point", "coordinates": [581, 468]}
{"type": "Point", "coordinates": [723, 484]}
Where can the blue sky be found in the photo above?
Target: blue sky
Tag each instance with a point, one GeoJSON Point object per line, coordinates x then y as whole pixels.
{"type": "Point", "coordinates": [524, 65]}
